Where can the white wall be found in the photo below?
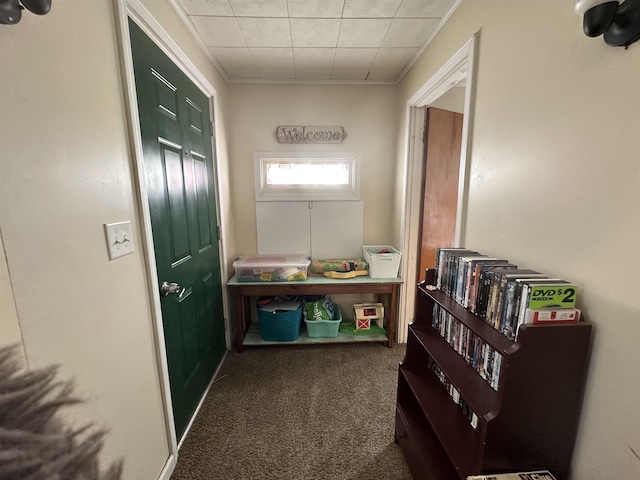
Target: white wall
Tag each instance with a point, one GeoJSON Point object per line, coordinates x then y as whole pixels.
{"type": "Point", "coordinates": [366, 112]}
{"type": "Point", "coordinates": [555, 185]}
{"type": "Point", "coordinates": [66, 168]}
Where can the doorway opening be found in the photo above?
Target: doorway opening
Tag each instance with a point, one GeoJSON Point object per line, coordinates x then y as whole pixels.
{"type": "Point", "coordinates": [458, 71]}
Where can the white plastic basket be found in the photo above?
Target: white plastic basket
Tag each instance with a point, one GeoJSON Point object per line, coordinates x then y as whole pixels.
{"type": "Point", "coordinates": [382, 265]}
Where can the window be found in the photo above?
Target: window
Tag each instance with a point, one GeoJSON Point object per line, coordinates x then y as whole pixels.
{"type": "Point", "coordinates": [305, 176]}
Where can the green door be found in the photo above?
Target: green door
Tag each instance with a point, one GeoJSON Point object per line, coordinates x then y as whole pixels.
{"type": "Point", "coordinates": [178, 164]}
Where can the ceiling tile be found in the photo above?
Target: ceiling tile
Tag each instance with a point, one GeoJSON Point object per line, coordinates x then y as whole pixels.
{"type": "Point", "coordinates": [219, 31]}
{"type": "Point", "coordinates": [362, 33]}
{"type": "Point", "coordinates": [307, 58]}
{"type": "Point", "coordinates": [278, 74]}
{"type": "Point", "coordinates": [384, 75]}
{"type": "Point", "coordinates": [314, 32]}
{"type": "Point", "coordinates": [313, 74]}
{"type": "Point", "coordinates": [317, 9]}
{"type": "Point", "coordinates": [355, 56]}
{"type": "Point", "coordinates": [265, 32]}
{"type": "Point", "coordinates": [349, 73]}
{"type": "Point", "coordinates": [405, 32]}
{"type": "Point", "coordinates": [393, 58]}
{"type": "Point", "coordinates": [259, 8]}
{"type": "Point", "coordinates": [313, 63]}
{"type": "Point", "coordinates": [207, 7]}
{"type": "Point", "coordinates": [236, 62]}
{"type": "Point", "coordinates": [270, 58]}
{"type": "Point", "coordinates": [424, 8]}
{"type": "Point", "coordinates": [370, 8]}
{"type": "Point", "coordinates": [313, 40]}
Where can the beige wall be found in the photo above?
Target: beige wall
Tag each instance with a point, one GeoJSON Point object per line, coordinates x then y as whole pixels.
{"type": "Point", "coordinates": [368, 116]}
{"type": "Point", "coordinates": [555, 186]}
{"type": "Point", "coordinates": [452, 100]}
{"type": "Point", "coordinates": [10, 334]}
{"type": "Point", "coordinates": [66, 169]}
{"type": "Point", "coordinates": [554, 179]}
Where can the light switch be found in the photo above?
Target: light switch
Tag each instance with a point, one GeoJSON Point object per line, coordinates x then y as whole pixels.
{"type": "Point", "coordinates": [119, 239]}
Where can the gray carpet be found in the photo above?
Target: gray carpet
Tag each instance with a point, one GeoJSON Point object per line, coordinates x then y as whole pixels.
{"type": "Point", "coordinates": [299, 412]}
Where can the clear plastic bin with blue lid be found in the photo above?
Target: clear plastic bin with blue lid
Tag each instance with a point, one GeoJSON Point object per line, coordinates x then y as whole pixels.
{"type": "Point", "coordinates": [271, 267]}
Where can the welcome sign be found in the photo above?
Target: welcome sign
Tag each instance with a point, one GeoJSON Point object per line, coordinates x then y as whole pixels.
{"type": "Point", "coordinates": [309, 134]}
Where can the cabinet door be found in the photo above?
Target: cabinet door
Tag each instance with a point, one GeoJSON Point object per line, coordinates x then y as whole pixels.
{"type": "Point", "coordinates": [318, 229]}
{"type": "Point", "coordinates": [283, 227]}
{"type": "Point", "coordinates": [336, 229]}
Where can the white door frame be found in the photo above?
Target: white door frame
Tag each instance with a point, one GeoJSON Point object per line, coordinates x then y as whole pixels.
{"type": "Point", "coordinates": [134, 9]}
{"type": "Point", "coordinates": [459, 67]}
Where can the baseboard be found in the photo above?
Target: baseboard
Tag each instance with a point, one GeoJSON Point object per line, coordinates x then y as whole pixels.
{"type": "Point", "coordinates": [168, 469]}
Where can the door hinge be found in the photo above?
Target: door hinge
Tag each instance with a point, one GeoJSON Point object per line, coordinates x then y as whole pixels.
{"type": "Point", "coordinates": [219, 233]}
{"type": "Point", "coordinates": [213, 130]}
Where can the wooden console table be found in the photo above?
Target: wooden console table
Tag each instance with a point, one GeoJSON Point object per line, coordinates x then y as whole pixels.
{"type": "Point", "coordinates": [385, 288]}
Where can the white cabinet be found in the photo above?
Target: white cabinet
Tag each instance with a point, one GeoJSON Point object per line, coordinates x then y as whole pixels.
{"type": "Point", "coordinates": [319, 229]}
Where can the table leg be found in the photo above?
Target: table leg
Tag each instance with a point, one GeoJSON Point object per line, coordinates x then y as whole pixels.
{"type": "Point", "coordinates": [391, 331]}
{"type": "Point", "coordinates": [238, 306]}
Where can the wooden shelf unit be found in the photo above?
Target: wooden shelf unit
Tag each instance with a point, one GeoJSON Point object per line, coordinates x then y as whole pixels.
{"type": "Point", "coordinates": [529, 423]}
{"type": "Point", "coordinates": [385, 288]}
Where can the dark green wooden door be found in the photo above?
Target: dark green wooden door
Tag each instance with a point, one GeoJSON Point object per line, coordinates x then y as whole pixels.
{"type": "Point", "coordinates": [178, 164]}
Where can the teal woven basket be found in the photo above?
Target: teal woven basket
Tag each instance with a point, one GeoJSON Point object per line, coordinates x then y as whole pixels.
{"type": "Point", "coordinates": [280, 326]}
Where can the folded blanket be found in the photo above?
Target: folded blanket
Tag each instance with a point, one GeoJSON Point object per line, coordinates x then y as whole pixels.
{"type": "Point", "coordinates": [318, 267]}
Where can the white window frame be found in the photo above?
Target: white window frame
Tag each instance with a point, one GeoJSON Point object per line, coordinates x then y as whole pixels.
{"type": "Point", "coordinates": [278, 193]}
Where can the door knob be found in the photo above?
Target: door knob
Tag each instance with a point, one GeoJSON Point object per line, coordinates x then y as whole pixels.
{"type": "Point", "coordinates": [166, 288]}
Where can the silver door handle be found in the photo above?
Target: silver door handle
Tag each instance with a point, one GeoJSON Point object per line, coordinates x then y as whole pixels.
{"type": "Point", "coordinates": [166, 288]}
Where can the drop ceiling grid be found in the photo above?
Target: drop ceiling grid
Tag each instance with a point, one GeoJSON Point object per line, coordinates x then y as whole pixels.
{"type": "Point", "coordinates": [288, 40]}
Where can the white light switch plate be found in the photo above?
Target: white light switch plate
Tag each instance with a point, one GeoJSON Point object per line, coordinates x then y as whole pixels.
{"type": "Point", "coordinates": [119, 239]}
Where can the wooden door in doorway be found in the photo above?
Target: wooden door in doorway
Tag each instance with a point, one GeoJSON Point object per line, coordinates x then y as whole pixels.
{"type": "Point", "coordinates": [442, 143]}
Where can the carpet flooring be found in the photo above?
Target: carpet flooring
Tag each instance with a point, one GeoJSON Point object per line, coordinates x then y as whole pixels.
{"type": "Point", "coordinates": [299, 412]}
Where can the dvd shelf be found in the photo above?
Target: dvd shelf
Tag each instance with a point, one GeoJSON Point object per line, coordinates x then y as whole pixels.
{"type": "Point", "coordinates": [501, 293]}
{"type": "Point", "coordinates": [479, 354]}
{"type": "Point", "coordinates": [473, 401]}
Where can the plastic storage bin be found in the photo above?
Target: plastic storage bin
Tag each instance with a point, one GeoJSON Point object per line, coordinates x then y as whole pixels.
{"type": "Point", "coordinates": [271, 268]}
{"type": "Point", "coordinates": [324, 328]}
{"type": "Point", "coordinates": [280, 326]}
{"type": "Point", "coordinates": [382, 265]}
